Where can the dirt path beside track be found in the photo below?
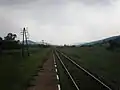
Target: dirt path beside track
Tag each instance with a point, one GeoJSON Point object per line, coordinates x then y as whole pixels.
{"type": "Point", "coordinates": [46, 79]}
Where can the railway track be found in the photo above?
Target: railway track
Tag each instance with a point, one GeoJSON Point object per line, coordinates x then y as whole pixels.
{"type": "Point", "coordinates": [75, 77]}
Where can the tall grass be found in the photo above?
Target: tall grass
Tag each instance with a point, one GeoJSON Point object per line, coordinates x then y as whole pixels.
{"type": "Point", "coordinates": [16, 71]}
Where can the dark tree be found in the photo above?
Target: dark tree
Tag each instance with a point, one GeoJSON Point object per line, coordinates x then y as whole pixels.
{"type": "Point", "coordinates": [1, 39]}
{"type": "Point", "coordinates": [1, 44]}
{"type": "Point", "coordinates": [9, 42]}
{"type": "Point", "coordinates": [14, 36]}
{"type": "Point", "coordinates": [113, 44]}
{"type": "Point", "coordinates": [10, 37]}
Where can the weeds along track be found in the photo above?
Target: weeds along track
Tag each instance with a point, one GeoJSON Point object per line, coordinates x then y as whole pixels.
{"type": "Point", "coordinates": [74, 77]}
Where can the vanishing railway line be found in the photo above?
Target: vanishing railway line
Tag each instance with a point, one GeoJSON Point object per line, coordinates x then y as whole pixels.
{"type": "Point", "coordinates": [75, 77]}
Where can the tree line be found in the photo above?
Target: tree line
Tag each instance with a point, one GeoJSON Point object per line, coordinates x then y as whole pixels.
{"type": "Point", "coordinates": [9, 42]}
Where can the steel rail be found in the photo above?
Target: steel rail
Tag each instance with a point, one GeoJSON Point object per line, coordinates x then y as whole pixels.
{"type": "Point", "coordinates": [67, 71]}
{"type": "Point", "coordinates": [85, 71]}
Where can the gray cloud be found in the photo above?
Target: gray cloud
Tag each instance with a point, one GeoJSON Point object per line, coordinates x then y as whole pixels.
{"type": "Point", "coordinates": [17, 2]}
{"type": "Point", "coordinates": [63, 21]}
{"type": "Point", "coordinates": [92, 2]}
{"type": "Point", "coordinates": [14, 2]}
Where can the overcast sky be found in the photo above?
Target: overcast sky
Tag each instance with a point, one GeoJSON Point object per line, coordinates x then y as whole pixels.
{"type": "Point", "coordinates": [61, 21]}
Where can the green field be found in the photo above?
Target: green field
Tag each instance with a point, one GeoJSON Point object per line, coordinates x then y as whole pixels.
{"type": "Point", "coordinates": [98, 60]}
{"type": "Point", "coordinates": [15, 71]}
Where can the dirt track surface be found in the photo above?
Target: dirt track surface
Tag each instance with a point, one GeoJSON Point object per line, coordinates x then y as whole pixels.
{"type": "Point", "coordinates": [46, 80]}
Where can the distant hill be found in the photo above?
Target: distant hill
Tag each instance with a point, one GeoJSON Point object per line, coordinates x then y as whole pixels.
{"type": "Point", "coordinates": [106, 40]}
{"type": "Point", "coordinates": [30, 42]}
{"type": "Point", "coordinates": [114, 38]}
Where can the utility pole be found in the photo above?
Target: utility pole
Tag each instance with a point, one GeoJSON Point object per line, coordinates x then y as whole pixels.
{"type": "Point", "coordinates": [27, 47]}
{"type": "Point", "coordinates": [23, 43]}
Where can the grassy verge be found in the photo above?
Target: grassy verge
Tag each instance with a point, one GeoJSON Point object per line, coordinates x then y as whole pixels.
{"type": "Point", "coordinates": [15, 71]}
{"type": "Point", "coordinates": [98, 60]}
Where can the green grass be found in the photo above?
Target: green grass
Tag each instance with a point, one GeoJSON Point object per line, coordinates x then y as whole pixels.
{"type": "Point", "coordinates": [98, 60]}
{"type": "Point", "coordinates": [15, 72]}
